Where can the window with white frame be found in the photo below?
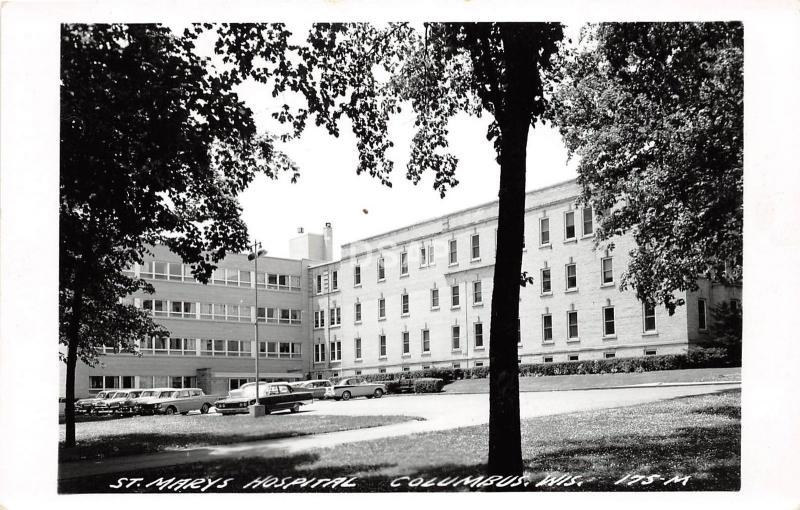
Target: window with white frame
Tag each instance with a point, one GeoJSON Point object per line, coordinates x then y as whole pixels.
{"type": "Point", "coordinates": [334, 280]}
{"type": "Point", "coordinates": [608, 321]}
{"type": "Point", "coordinates": [649, 314]}
{"type": "Point", "coordinates": [548, 359]}
{"type": "Point", "coordinates": [382, 346]}
{"type": "Point", "coordinates": [475, 244]}
{"type": "Point", "coordinates": [547, 287]}
{"type": "Point", "coordinates": [431, 259]}
{"type": "Point", "coordinates": [434, 298]}
{"type": "Point", "coordinates": [381, 269]}
{"type": "Point", "coordinates": [319, 284]}
{"type": "Point", "coordinates": [588, 225]}
{"type": "Point", "coordinates": [701, 315]}
{"type": "Point", "coordinates": [477, 294]}
{"type": "Point", "coordinates": [426, 340]}
{"type": "Point", "coordinates": [319, 319]}
{"type": "Point", "coordinates": [423, 256]}
{"type": "Point", "coordinates": [478, 335]}
{"type": "Point", "coordinates": [357, 347]}
{"type": "Point", "coordinates": [403, 264]}
{"type": "Point", "coordinates": [544, 231]}
{"type": "Point", "coordinates": [336, 316]}
{"type": "Point", "coordinates": [453, 255]}
{"type": "Point", "coordinates": [569, 225]}
{"type": "Point", "coordinates": [455, 299]}
{"type": "Point", "coordinates": [406, 343]}
{"type": "Point", "coordinates": [336, 349]}
{"type": "Point", "coordinates": [456, 344]}
{"type": "Point", "coordinates": [357, 314]}
{"type": "Point", "coordinates": [607, 270]}
{"type": "Point", "coordinates": [404, 305]}
{"type": "Point", "coordinates": [572, 325]}
{"type": "Point", "coordinates": [479, 363]}
{"type": "Point", "coordinates": [571, 277]}
{"type": "Point", "coordinates": [573, 357]}
{"type": "Point", "coordinates": [609, 355]}
{"type": "Point", "coordinates": [650, 352]}
{"type": "Point", "coordinates": [356, 275]}
{"type": "Point", "coordinates": [547, 328]}
{"type": "Point", "coordinates": [382, 308]}
{"type": "Point", "coordinates": [319, 353]}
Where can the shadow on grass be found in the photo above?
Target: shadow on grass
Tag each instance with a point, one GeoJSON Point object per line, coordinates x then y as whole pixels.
{"type": "Point", "coordinates": [709, 456]}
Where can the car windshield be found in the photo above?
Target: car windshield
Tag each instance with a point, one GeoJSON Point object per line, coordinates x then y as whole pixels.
{"type": "Point", "coordinates": [102, 394]}
{"type": "Point", "coordinates": [167, 394]}
{"type": "Point", "coordinates": [118, 394]}
{"type": "Point", "coordinates": [149, 394]}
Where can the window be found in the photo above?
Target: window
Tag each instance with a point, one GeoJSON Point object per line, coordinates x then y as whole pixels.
{"type": "Point", "coordinates": [479, 363]}
{"type": "Point", "coordinates": [607, 270]}
{"type": "Point", "coordinates": [572, 277]}
{"type": "Point", "coordinates": [319, 319]}
{"type": "Point", "coordinates": [357, 348]}
{"type": "Point", "coordinates": [382, 346]}
{"type": "Point", "coordinates": [404, 263]}
{"type": "Point", "coordinates": [336, 316]}
{"type": "Point", "coordinates": [548, 359]}
{"type": "Point", "coordinates": [649, 352]}
{"type": "Point", "coordinates": [456, 338]}
{"type": "Point", "coordinates": [477, 295]}
{"type": "Point", "coordinates": [423, 256]}
{"type": "Point", "coordinates": [547, 328]}
{"type": "Point", "coordinates": [454, 297]}
{"type": "Point", "coordinates": [701, 314]}
{"type": "Point", "coordinates": [406, 343]}
{"type": "Point", "coordinates": [478, 335]}
{"type": "Point", "coordinates": [404, 304]}
{"type": "Point", "coordinates": [456, 365]}
{"type": "Point", "coordinates": [430, 255]}
{"type": "Point", "coordinates": [608, 321]}
{"type": "Point", "coordinates": [588, 227]}
{"type": "Point", "coordinates": [544, 231]}
{"type": "Point", "coordinates": [381, 270]}
{"type": "Point", "coordinates": [435, 298]}
{"type": "Point", "coordinates": [453, 245]}
{"type": "Point", "coordinates": [319, 284]}
{"type": "Point", "coordinates": [319, 353]}
{"type": "Point", "coordinates": [236, 383]}
{"type": "Point", "coordinates": [569, 225]}
{"type": "Point", "coordinates": [358, 312]}
{"type": "Point", "coordinates": [476, 246]}
{"type": "Point", "coordinates": [572, 357]}
{"type": "Point", "coordinates": [382, 308]}
{"type": "Point", "coordinates": [358, 372]}
{"type": "Point", "coordinates": [426, 340]}
{"type": "Point", "coordinates": [572, 325]}
{"type": "Point", "coordinates": [356, 276]}
{"type": "Point", "coordinates": [381, 370]}
{"type": "Point", "coordinates": [609, 355]}
{"type": "Point", "coordinates": [336, 350]}
{"type": "Point", "coordinates": [649, 317]}
{"type": "Point", "coordinates": [335, 280]}
{"type": "Point", "coordinates": [546, 285]}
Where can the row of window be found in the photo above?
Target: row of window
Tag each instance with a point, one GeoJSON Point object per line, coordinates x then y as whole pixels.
{"type": "Point", "coordinates": [176, 271]}
{"type": "Point", "coordinates": [174, 346]}
{"type": "Point", "coordinates": [219, 311]}
{"type": "Point", "coordinates": [571, 276]}
{"type": "Point", "coordinates": [111, 382]}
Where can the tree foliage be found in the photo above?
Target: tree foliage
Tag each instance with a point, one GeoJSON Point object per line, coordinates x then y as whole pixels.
{"type": "Point", "coordinates": [155, 147]}
{"type": "Point", "coordinates": [654, 111]}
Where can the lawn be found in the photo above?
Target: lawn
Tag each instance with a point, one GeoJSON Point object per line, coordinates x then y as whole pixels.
{"type": "Point", "coordinates": [144, 434]}
{"type": "Point", "coordinates": [697, 436]}
{"type": "Point", "coordinates": [585, 381]}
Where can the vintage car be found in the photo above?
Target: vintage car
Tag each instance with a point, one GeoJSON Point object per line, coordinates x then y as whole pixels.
{"type": "Point", "coordinates": [114, 404]}
{"type": "Point", "coordinates": [349, 387]}
{"type": "Point", "coordinates": [319, 388]}
{"type": "Point", "coordinates": [131, 405]}
{"type": "Point", "coordinates": [86, 405]}
{"type": "Point", "coordinates": [178, 401]}
{"type": "Point", "coordinates": [273, 396]}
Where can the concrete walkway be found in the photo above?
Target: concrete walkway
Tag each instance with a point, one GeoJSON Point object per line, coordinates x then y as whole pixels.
{"type": "Point", "coordinates": [440, 412]}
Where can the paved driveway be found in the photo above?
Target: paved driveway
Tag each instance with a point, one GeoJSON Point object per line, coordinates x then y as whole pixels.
{"type": "Point", "coordinates": [440, 412]}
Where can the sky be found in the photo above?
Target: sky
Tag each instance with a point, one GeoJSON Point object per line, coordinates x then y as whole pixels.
{"type": "Point", "coordinates": [359, 206]}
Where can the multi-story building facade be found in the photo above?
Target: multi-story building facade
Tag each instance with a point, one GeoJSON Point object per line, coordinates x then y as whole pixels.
{"type": "Point", "coordinates": [412, 298]}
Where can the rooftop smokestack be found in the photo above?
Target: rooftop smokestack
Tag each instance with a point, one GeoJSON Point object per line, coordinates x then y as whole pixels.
{"type": "Point", "coordinates": [328, 241]}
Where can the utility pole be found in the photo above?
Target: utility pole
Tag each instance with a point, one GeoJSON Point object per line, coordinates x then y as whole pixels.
{"type": "Point", "coordinates": [256, 409]}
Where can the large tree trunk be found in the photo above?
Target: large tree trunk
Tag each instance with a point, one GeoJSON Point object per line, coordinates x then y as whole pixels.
{"type": "Point", "coordinates": [73, 337]}
{"type": "Point", "coordinates": [505, 452]}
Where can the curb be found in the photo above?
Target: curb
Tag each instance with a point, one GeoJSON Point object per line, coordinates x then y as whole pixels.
{"type": "Point", "coordinates": [629, 386]}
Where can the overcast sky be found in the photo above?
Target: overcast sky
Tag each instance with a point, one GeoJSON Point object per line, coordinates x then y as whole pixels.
{"type": "Point", "coordinates": [329, 190]}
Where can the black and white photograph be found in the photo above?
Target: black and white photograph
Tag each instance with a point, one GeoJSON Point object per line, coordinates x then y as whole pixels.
{"type": "Point", "coordinates": [492, 249]}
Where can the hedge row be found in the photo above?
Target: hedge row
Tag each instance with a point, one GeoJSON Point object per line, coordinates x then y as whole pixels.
{"type": "Point", "coordinates": [696, 358]}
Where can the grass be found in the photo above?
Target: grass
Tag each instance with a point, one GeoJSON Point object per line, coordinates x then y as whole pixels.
{"type": "Point", "coordinates": [584, 381]}
{"type": "Point", "coordinates": [147, 434]}
{"type": "Point", "coordinates": [697, 436]}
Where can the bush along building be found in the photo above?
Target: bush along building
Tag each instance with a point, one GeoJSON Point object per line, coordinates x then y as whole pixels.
{"type": "Point", "coordinates": [413, 299]}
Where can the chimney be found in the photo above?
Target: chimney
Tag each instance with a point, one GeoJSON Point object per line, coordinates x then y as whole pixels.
{"type": "Point", "coordinates": [299, 230]}
{"type": "Point", "coordinates": [328, 241]}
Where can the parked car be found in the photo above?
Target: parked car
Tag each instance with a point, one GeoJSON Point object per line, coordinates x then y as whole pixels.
{"type": "Point", "coordinates": [402, 385]}
{"type": "Point", "coordinates": [86, 405]}
{"type": "Point", "coordinates": [273, 396]}
{"type": "Point", "coordinates": [114, 404]}
{"type": "Point", "coordinates": [319, 388]}
{"type": "Point", "coordinates": [131, 405]}
{"type": "Point", "coordinates": [350, 387]}
{"type": "Point", "coordinates": [179, 401]}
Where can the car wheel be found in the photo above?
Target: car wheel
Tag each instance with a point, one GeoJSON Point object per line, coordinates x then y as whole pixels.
{"type": "Point", "coordinates": [205, 408]}
{"type": "Point", "coordinates": [267, 410]}
{"type": "Point", "coordinates": [171, 410]}
{"type": "Point", "coordinates": [295, 408]}
{"type": "Point", "coordinates": [346, 395]}
{"type": "Point", "coordinates": [378, 393]}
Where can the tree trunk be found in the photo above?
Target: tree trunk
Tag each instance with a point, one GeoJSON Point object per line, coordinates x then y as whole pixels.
{"type": "Point", "coordinates": [505, 451]}
{"type": "Point", "coordinates": [73, 337]}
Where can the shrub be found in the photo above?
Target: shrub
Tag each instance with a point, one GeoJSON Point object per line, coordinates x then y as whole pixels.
{"type": "Point", "coordinates": [428, 385]}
